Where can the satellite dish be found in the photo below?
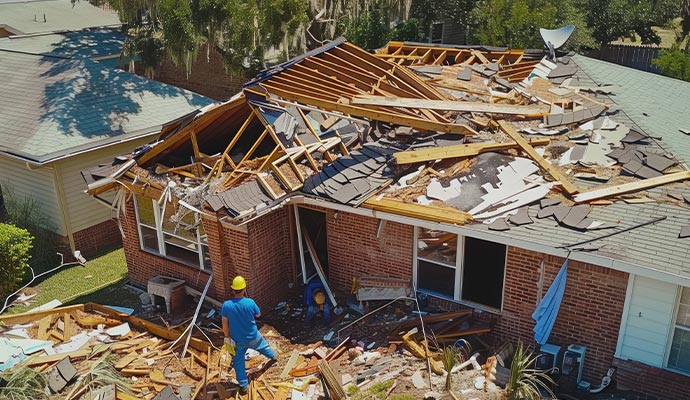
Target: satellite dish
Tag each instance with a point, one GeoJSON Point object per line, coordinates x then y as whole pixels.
{"type": "Point", "coordinates": [555, 38]}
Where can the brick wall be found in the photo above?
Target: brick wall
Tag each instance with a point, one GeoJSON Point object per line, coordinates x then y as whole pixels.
{"type": "Point", "coordinates": [590, 313]}
{"type": "Point", "coordinates": [661, 384]}
{"type": "Point", "coordinates": [207, 76]}
{"type": "Point", "coordinates": [269, 252]}
{"type": "Point", "coordinates": [354, 249]}
{"type": "Point", "coordinates": [97, 239]}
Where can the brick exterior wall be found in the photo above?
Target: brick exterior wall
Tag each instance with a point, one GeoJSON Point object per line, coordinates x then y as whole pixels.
{"type": "Point", "coordinates": [98, 239]}
{"type": "Point", "coordinates": [660, 383]}
{"type": "Point", "coordinates": [207, 76]}
{"type": "Point", "coordinates": [589, 315]}
{"type": "Point", "coordinates": [354, 249]}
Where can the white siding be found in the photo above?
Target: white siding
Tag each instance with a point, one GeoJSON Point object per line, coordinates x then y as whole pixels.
{"type": "Point", "coordinates": [83, 210]}
{"type": "Point", "coordinates": [36, 184]}
{"type": "Point", "coordinates": [648, 323]}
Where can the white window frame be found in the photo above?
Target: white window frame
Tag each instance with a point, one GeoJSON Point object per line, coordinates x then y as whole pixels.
{"type": "Point", "coordinates": [672, 332]}
{"type": "Point", "coordinates": [459, 260]}
{"type": "Point", "coordinates": [199, 245]}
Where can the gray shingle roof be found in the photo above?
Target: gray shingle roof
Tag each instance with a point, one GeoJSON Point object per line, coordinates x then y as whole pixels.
{"type": "Point", "coordinates": [90, 43]}
{"type": "Point", "coordinates": [657, 104]}
{"type": "Point", "coordinates": [27, 16]}
{"type": "Point", "coordinates": [55, 106]}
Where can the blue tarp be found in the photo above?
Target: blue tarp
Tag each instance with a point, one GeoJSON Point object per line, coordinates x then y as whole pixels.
{"type": "Point", "coordinates": [547, 310]}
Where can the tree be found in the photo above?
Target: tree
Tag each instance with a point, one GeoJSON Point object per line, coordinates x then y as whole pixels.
{"type": "Point", "coordinates": [674, 63]}
{"type": "Point", "coordinates": [614, 19]}
{"type": "Point", "coordinates": [15, 245]}
{"type": "Point", "coordinates": [430, 11]}
{"type": "Point", "coordinates": [512, 23]}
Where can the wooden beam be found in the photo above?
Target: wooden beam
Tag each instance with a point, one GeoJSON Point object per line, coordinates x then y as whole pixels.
{"type": "Point", "coordinates": [534, 110]}
{"type": "Point", "coordinates": [27, 317]}
{"type": "Point", "coordinates": [456, 151]}
{"type": "Point", "coordinates": [429, 213]}
{"type": "Point", "coordinates": [550, 168]}
{"type": "Point", "coordinates": [234, 140]}
{"type": "Point", "coordinates": [631, 187]}
{"type": "Point", "coordinates": [384, 116]}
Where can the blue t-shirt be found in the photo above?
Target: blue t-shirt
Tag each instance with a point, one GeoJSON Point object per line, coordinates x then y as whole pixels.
{"type": "Point", "coordinates": [240, 314]}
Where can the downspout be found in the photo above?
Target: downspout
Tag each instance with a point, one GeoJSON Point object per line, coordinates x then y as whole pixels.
{"type": "Point", "coordinates": [62, 202]}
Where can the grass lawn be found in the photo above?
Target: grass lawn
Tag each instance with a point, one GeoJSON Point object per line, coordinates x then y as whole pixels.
{"type": "Point", "coordinates": [100, 280]}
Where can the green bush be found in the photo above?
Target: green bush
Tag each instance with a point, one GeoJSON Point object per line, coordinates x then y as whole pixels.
{"type": "Point", "coordinates": [674, 62]}
{"type": "Point", "coordinates": [15, 245]}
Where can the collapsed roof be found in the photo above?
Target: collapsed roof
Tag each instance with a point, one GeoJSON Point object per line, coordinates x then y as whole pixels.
{"type": "Point", "coordinates": [495, 139]}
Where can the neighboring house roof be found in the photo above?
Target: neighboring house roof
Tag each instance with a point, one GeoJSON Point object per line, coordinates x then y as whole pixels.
{"type": "Point", "coordinates": [342, 125]}
{"type": "Point", "coordinates": [88, 43]}
{"type": "Point", "coordinates": [657, 104]}
{"type": "Point", "coordinates": [26, 17]}
{"type": "Point", "coordinates": [55, 106]}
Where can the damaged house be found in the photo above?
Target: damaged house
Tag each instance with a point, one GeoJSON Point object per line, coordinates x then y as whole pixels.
{"type": "Point", "coordinates": [475, 173]}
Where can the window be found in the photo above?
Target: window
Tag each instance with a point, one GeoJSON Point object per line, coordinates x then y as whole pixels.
{"type": "Point", "coordinates": [460, 268]}
{"type": "Point", "coordinates": [679, 354]}
{"type": "Point", "coordinates": [437, 32]}
{"type": "Point", "coordinates": [172, 233]}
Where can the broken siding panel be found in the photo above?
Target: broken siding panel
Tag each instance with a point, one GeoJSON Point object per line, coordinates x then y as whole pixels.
{"type": "Point", "coordinates": [37, 184]}
{"type": "Point", "coordinates": [648, 322]}
{"type": "Point", "coordinates": [83, 210]}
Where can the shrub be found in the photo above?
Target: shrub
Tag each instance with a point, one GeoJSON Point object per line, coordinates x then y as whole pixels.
{"type": "Point", "coordinates": [15, 245]}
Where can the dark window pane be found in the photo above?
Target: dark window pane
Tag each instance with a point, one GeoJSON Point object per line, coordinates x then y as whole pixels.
{"type": "Point", "coordinates": [182, 254]}
{"type": "Point", "coordinates": [483, 271]}
{"type": "Point", "coordinates": [679, 356]}
{"type": "Point", "coordinates": [149, 239]}
{"type": "Point", "coordinates": [436, 278]}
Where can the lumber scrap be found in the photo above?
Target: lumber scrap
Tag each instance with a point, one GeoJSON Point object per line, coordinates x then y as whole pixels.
{"type": "Point", "coordinates": [430, 213]}
{"type": "Point", "coordinates": [631, 187]}
{"type": "Point", "coordinates": [421, 352]}
{"type": "Point", "coordinates": [529, 111]}
{"type": "Point", "coordinates": [154, 329]}
{"type": "Point", "coordinates": [335, 391]}
{"type": "Point", "coordinates": [457, 151]}
{"type": "Point", "coordinates": [290, 364]}
{"type": "Point", "coordinates": [27, 317]}
{"type": "Point", "coordinates": [554, 171]}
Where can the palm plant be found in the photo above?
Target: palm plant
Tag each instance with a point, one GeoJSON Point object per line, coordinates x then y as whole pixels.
{"type": "Point", "coordinates": [450, 356]}
{"type": "Point", "coordinates": [526, 382]}
{"type": "Point", "coordinates": [23, 383]}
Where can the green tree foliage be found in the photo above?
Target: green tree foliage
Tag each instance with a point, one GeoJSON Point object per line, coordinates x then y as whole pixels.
{"type": "Point", "coordinates": [15, 247]}
{"type": "Point", "coordinates": [430, 11]}
{"type": "Point", "coordinates": [614, 19]}
{"type": "Point", "coordinates": [674, 63]}
{"type": "Point", "coordinates": [512, 23]}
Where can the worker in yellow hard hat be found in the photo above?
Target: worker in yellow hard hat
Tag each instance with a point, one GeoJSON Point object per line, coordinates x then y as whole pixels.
{"type": "Point", "coordinates": [315, 297]}
{"type": "Point", "coordinates": [239, 316]}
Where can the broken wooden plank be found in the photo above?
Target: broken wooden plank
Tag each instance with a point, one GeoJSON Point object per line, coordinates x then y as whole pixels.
{"type": "Point", "coordinates": [28, 317]}
{"type": "Point", "coordinates": [457, 151]}
{"type": "Point", "coordinates": [429, 213]}
{"type": "Point", "coordinates": [290, 365]}
{"type": "Point", "coordinates": [533, 111]}
{"type": "Point", "coordinates": [335, 391]}
{"type": "Point", "coordinates": [631, 187]}
{"type": "Point", "coordinates": [43, 326]}
{"type": "Point", "coordinates": [67, 329]}
{"type": "Point", "coordinates": [553, 170]}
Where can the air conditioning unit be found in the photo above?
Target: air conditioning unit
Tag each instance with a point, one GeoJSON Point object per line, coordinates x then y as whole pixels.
{"type": "Point", "coordinates": [549, 357]}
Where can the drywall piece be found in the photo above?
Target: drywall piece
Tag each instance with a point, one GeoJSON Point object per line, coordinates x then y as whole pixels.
{"type": "Point", "coordinates": [47, 306]}
{"type": "Point", "coordinates": [521, 199]}
{"type": "Point", "coordinates": [521, 217]}
{"type": "Point", "coordinates": [597, 153]}
{"type": "Point", "coordinates": [549, 202]}
{"type": "Point", "coordinates": [499, 224]}
{"type": "Point", "coordinates": [76, 343]}
{"type": "Point", "coordinates": [684, 232]}
{"type": "Point", "coordinates": [512, 182]}
{"type": "Point", "coordinates": [120, 330]}
{"type": "Point", "coordinates": [423, 200]}
{"type": "Point", "coordinates": [436, 191]}
{"type": "Point", "coordinates": [465, 74]}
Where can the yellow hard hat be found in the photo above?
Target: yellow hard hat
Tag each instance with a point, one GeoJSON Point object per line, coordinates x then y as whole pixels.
{"type": "Point", "coordinates": [238, 283]}
{"type": "Point", "coordinates": [320, 298]}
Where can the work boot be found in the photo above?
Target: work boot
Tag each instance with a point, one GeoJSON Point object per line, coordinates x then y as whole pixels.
{"type": "Point", "coordinates": [270, 362]}
{"type": "Point", "coordinates": [244, 390]}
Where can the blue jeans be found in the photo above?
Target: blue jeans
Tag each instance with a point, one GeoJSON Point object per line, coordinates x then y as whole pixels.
{"type": "Point", "coordinates": [259, 344]}
{"type": "Point", "coordinates": [313, 310]}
